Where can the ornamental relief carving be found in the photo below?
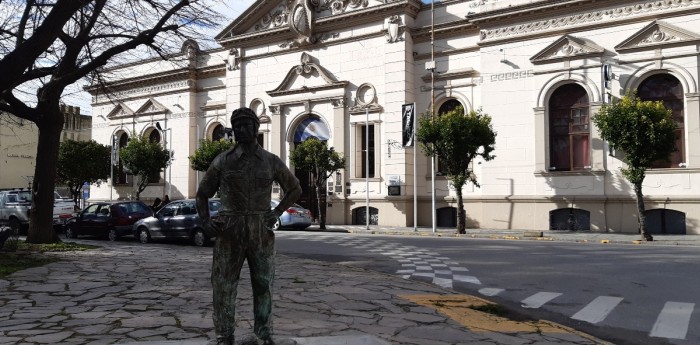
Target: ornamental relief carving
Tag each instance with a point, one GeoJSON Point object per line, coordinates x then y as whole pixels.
{"type": "Point", "coordinates": [658, 36]}
{"type": "Point", "coordinates": [294, 12]}
{"type": "Point", "coordinates": [583, 18]}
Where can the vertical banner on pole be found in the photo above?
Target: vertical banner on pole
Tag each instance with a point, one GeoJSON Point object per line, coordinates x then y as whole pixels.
{"type": "Point", "coordinates": [408, 113]}
{"type": "Point", "coordinates": [115, 148]}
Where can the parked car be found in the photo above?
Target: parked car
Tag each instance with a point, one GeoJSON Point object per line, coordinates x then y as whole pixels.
{"type": "Point", "coordinates": [176, 220]}
{"type": "Point", "coordinates": [294, 217]}
{"type": "Point", "coordinates": [15, 208]}
{"type": "Point", "coordinates": [112, 220]}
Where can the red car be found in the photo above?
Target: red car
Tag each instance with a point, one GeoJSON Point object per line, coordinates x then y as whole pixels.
{"type": "Point", "coordinates": [107, 219]}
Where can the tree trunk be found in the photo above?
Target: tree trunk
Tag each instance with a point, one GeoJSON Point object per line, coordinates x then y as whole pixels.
{"type": "Point", "coordinates": [321, 217]}
{"type": "Point", "coordinates": [41, 219]}
{"type": "Point", "coordinates": [640, 211]}
{"type": "Point", "coordinates": [461, 214]}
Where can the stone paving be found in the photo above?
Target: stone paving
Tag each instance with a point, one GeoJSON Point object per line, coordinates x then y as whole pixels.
{"type": "Point", "coordinates": [126, 292]}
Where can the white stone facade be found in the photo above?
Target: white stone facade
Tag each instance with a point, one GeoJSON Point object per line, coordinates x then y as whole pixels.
{"type": "Point", "coordinates": [334, 59]}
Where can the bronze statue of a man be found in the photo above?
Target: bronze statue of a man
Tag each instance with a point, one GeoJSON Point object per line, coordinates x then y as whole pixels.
{"type": "Point", "coordinates": [243, 176]}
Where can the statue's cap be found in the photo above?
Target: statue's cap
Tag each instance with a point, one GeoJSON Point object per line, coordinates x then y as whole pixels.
{"type": "Point", "coordinates": [244, 113]}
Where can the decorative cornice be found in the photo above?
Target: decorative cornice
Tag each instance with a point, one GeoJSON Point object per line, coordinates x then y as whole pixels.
{"type": "Point", "coordinates": [557, 22]}
{"type": "Point", "coordinates": [454, 74]}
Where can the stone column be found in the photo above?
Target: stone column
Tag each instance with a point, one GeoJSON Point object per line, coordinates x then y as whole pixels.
{"type": "Point", "coordinates": [541, 135]}
{"type": "Point", "coordinates": [692, 122]}
{"type": "Point", "coordinates": [598, 152]}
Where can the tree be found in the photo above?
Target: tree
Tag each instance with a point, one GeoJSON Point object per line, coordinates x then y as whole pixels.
{"type": "Point", "coordinates": [314, 156]}
{"type": "Point", "coordinates": [645, 132]}
{"type": "Point", "coordinates": [207, 151]}
{"type": "Point", "coordinates": [82, 161]}
{"type": "Point", "coordinates": [144, 159]}
{"type": "Point", "coordinates": [456, 139]}
{"type": "Point", "coordinates": [46, 46]}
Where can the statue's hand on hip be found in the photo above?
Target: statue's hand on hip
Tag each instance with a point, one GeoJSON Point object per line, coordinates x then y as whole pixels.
{"type": "Point", "coordinates": [270, 218]}
{"type": "Point", "coordinates": [212, 226]}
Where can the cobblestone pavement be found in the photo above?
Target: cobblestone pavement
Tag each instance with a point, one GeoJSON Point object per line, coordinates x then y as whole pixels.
{"type": "Point", "coordinates": [126, 292]}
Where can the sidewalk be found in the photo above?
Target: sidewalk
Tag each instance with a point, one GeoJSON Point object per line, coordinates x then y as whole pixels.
{"type": "Point", "coordinates": [546, 235]}
{"type": "Point", "coordinates": [126, 292]}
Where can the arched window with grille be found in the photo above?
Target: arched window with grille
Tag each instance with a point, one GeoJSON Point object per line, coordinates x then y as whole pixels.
{"type": "Point", "coordinates": [667, 89]}
{"type": "Point", "coordinates": [218, 133]}
{"type": "Point", "coordinates": [569, 129]}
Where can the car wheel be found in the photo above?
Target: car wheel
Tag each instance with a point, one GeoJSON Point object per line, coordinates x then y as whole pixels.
{"type": "Point", "coordinates": [199, 238]}
{"type": "Point", "coordinates": [144, 236]}
{"type": "Point", "coordinates": [278, 225]}
{"type": "Point", "coordinates": [70, 233]}
{"type": "Point", "coordinates": [113, 236]}
{"type": "Point", "coordinates": [15, 225]}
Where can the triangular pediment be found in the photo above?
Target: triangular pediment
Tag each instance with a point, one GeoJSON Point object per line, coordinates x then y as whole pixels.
{"type": "Point", "coordinates": [120, 110]}
{"type": "Point", "coordinates": [657, 33]}
{"type": "Point", "coordinates": [306, 77]}
{"type": "Point", "coordinates": [151, 107]}
{"type": "Point", "coordinates": [567, 47]}
{"type": "Point", "coordinates": [265, 15]}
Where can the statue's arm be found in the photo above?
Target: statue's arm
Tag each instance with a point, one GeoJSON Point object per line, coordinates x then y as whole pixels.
{"type": "Point", "coordinates": [290, 186]}
{"type": "Point", "coordinates": [207, 189]}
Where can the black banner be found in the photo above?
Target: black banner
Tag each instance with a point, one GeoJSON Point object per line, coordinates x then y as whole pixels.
{"type": "Point", "coordinates": [408, 112]}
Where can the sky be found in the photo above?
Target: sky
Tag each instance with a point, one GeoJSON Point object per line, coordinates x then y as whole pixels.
{"type": "Point", "coordinates": [231, 9]}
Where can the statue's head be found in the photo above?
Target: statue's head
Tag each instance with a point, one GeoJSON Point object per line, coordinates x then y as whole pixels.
{"type": "Point", "coordinates": [245, 125]}
{"type": "Point", "coordinates": [244, 113]}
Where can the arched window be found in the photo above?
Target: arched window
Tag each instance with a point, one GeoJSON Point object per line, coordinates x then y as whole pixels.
{"type": "Point", "coordinates": [218, 133]}
{"type": "Point", "coordinates": [569, 129]}
{"type": "Point", "coordinates": [121, 174]}
{"type": "Point", "coordinates": [447, 106]}
{"type": "Point", "coordinates": [667, 89]}
{"type": "Point", "coordinates": [154, 136]}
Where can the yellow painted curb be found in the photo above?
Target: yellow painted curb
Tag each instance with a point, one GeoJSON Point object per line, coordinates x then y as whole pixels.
{"type": "Point", "coordinates": [637, 242]}
{"type": "Point", "coordinates": [604, 241]}
{"type": "Point", "coordinates": [511, 237]}
{"type": "Point", "coordinates": [473, 312]}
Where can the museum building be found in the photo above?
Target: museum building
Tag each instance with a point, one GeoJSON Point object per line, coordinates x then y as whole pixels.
{"type": "Point", "coordinates": [341, 70]}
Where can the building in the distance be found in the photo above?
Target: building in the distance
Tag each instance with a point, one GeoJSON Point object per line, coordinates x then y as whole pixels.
{"type": "Point", "coordinates": [19, 139]}
{"type": "Point", "coordinates": [340, 70]}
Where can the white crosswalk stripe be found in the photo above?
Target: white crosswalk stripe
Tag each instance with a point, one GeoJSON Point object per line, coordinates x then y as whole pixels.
{"type": "Point", "coordinates": [539, 299]}
{"type": "Point", "coordinates": [490, 291]}
{"type": "Point", "coordinates": [414, 261]}
{"type": "Point", "coordinates": [673, 321]}
{"type": "Point", "coordinates": [598, 309]}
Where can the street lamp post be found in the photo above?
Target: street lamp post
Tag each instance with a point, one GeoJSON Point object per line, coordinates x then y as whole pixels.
{"type": "Point", "coordinates": [170, 150]}
{"type": "Point", "coordinates": [367, 166]}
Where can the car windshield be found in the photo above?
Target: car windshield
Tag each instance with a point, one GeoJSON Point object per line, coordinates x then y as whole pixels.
{"type": "Point", "coordinates": [133, 207]}
{"type": "Point", "coordinates": [23, 196]}
{"type": "Point", "coordinates": [214, 206]}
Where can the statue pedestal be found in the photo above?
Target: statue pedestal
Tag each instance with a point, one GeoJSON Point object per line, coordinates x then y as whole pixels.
{"type": "Point", "coordinates": [360, 339]}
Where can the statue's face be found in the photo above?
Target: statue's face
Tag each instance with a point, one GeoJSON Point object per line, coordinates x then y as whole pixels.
{"type": "Point", "coordinates": [245, 131]}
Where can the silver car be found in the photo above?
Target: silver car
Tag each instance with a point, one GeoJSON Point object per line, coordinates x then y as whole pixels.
{"type": "Point", "coordinates": [294, 217]}
{"type": "Point", "coordinates": [176, 220]}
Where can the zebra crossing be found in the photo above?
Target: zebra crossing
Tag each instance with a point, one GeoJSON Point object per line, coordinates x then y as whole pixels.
{"type": "Point", "coordinates": [417, 263]}
{"type": "Point", "coordinates": [672, 321]}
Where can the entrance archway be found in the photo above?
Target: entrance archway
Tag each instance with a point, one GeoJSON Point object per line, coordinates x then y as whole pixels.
{"type": "Point", "coordinates": [310, 127]}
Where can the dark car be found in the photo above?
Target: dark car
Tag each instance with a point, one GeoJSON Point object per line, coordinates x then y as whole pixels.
{"type": "Point", "coordinates": [107, 219]}
{"type": "Point", "coordinates": [176, 220]}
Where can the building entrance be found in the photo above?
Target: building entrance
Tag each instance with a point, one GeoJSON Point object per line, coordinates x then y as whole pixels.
{"type": "Point", "coordinates": [311, 127]}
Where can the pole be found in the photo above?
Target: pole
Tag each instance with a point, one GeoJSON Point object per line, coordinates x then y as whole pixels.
{"type": "Point", "coordinates": [432, 104]}
{"type": "Point", "coordinates": [415, 180]}
{"type": "Point", "coordinates": [111, 167]}
{"type": "Point", "coordinates": [170, 161]}
{"type": "Point", "coordinates": [367, 167]}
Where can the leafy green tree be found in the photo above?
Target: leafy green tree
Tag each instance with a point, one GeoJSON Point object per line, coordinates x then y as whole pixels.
{"type": "Point", "coordinates": [82, 161]}
{"type": "Point", "coordinates": [645, 132]}
{"type": "Point", "coordinates": [144, 159]}
{"type": "Point", "coordinates": [207, 151]}
{"type": "Point", "coordinates": [456, 139]}
{"type": "Point", "coordinates": [314, 156]}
